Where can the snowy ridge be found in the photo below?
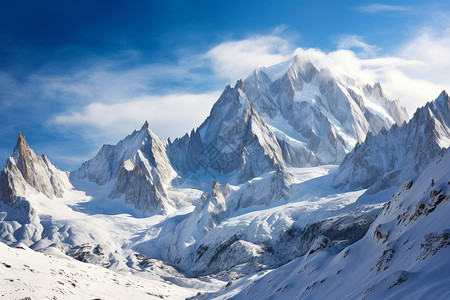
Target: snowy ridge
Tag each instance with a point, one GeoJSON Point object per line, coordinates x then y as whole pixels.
{"type": "Point", "coordinates": [393, 156]}
{"type": "Point", "coordinates": [187, 249]}
{"type": "Point", "coordinates": [404, 254]}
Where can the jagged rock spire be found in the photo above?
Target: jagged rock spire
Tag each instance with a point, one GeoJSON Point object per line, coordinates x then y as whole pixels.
{"type": "Point", "coordinates": [239, 84]}
{"type": "Point", "coordinates": [146, 125]}
{"type": "Point", "coordinates": [26, 172]}
{"type": "Point", "coordinates": [21, 154]}
{"type": "Point", "coordinates": [389, 158]}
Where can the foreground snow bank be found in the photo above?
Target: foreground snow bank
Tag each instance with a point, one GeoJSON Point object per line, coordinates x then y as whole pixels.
{"type": "Point", "coordinates": [26, 273]}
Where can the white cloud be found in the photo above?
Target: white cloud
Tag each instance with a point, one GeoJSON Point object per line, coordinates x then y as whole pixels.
{"type": "Point", "coordinates": [432, 47]}
{"type": "Point", "coordinates": [415, 75]}
{"type": "Point", "coordinates": [169, 115]}
{"type": "Point", "coordinates": [107, 82]}
{"type": "Point", "coordinates": [119, 102]}
{"type": "Point", "coordinates": [236, 59]}
{"type": "Point", "coordinates": [357, 42]}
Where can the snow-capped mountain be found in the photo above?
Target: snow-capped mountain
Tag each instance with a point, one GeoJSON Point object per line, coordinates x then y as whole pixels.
{"type": "Point", "coordinates": [25, 175]}
{"type": "Point", "coordinates": [246, 191]}
{"type": "Point", "coordinates": [393, 156]}
{"type": "Point", "coordinates": [137, 168]}
{"type": "Point", "coordinates": [288, 115]}
{"type": "Point", "coordinates": [25, 172]}
{"type": "Point", "coordinates": [404, 254]}
{"type": "Point", "coordinates": [233, 139]}
{"type": "Point", "coordinates": [292, 113]}
{"type": "Point", "coordinates": [316, 115]}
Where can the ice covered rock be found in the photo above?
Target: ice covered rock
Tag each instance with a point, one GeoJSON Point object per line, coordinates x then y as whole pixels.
{"type": "Point", "coordinates": [393, 156]}
{"type": "Point", "coordinates": [320, 243]}
{"type": "Point", "coordinates": [316, 115]}
{"type": "Point", "coordinates": [139, 168]}
{"type": "Point", "coordinates": [233, 139]}
{"type": "Point", "coordinates": [25, 174]}
{"type": "Point", "coordinates": [193, 249]}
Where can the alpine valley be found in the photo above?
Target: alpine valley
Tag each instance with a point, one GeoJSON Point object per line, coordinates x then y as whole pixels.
{"type": "Point", "coordinates": [300, 184]}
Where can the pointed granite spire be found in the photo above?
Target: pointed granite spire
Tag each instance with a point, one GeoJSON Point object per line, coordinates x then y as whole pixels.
{"type": "Point", "coordinates": [443, 98]}
{"type": "Point", "coordinates": [146, 125]}
{"type": "Point", "coordinates": [240, 85]}
{"type": "Point", "coordinates": [21, 153]}
{"type": "Point", "coordinates": [21, 142]}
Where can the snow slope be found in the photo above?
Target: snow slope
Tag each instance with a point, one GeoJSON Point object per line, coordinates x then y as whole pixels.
{"type": "Point", "coordinates": [404, 254]}
{"type": "Point", "coordinates": [53, 275]}
{"type": "Point", "coordinates": [222, 236]}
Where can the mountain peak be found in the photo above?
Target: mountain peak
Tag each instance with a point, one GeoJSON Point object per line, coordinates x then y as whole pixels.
{"type": "Point", "coordinates": [21, 153]}
{"type": "Point", "coordinates": [146, 125]}
{"type": "Point", "coordinates": [379, 90]}
{"type": "Point", "coordinates": [146, 131]}
{"type": "Point", "coordinates": [239, 84]}
{"type": "Point", "coordinates": [24, 170]}
{"type": "Point", "coordinates": [300, 60]}
{"type": "Point", "coordinates": [382, 161]}
{"type": "Point", "coordinates": [442, 98]}
{"type": "Point", "coordinates": [21, 142]}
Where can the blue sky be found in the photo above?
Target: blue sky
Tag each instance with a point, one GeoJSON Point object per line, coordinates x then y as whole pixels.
{"type": "Point", "coordinates": [77, 74]}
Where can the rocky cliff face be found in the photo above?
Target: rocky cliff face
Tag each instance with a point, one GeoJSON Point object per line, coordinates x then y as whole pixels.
{"type": "Point", "coordinates": [393, 156]}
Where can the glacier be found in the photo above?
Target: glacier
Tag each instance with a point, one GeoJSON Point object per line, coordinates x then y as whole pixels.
{"type": "Point", "coordinates": [404, 253]}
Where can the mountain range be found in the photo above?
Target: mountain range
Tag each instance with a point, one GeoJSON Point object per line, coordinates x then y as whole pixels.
{"type": "Point", "coordinates": [292, 172]}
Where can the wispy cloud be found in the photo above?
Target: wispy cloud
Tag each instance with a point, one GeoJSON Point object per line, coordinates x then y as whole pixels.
{"type": "Point", "coordinates": [108, 83]}
{"type": "Point", "coordinates": [105, 101]}
{"type": "Point", "coordinates": [236, 59]}
{"type": "Point", "coordinates": [168, 115]}
{"type": "Point", "coordinates": [357, 42]}
{"type": "Point", "coordinates": [380, 8]}
{"type": "Point", "coordinates": [414, 75]}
